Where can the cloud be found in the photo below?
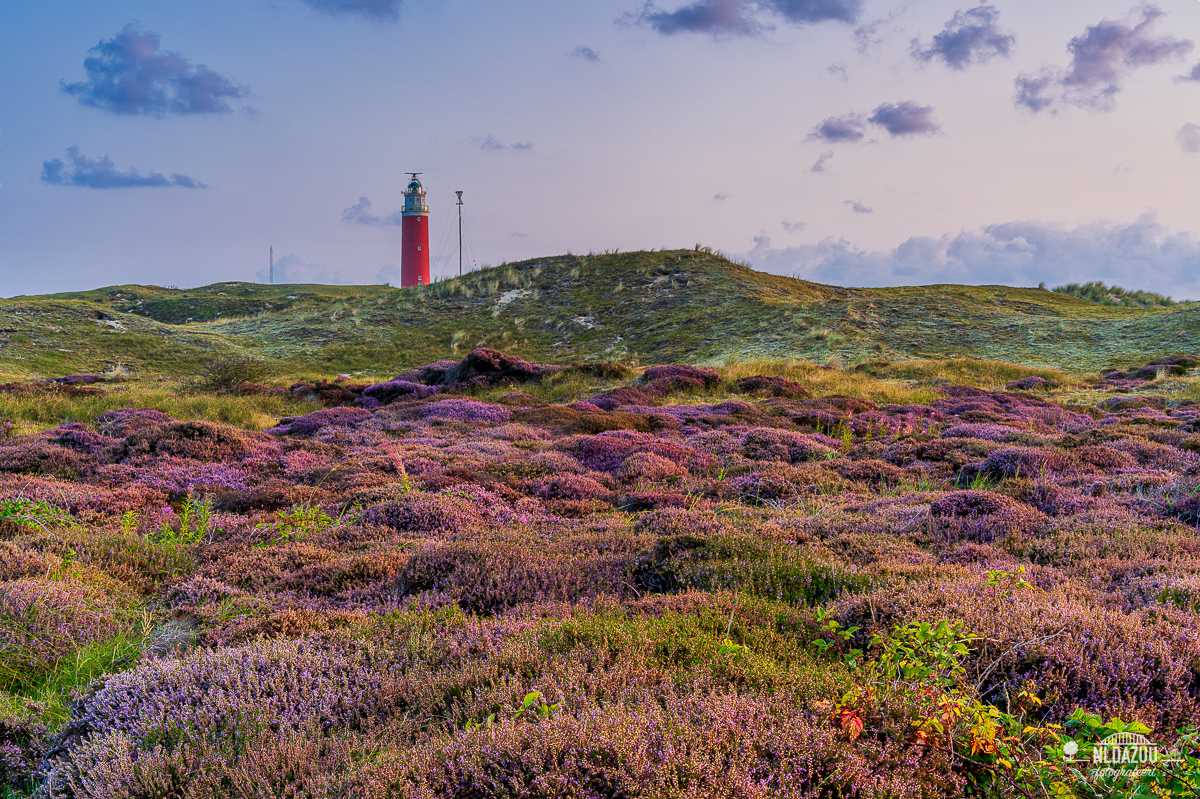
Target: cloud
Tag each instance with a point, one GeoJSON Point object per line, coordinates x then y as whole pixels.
{"type": "Point", "coordinates": [971, 36]}
{"type": "Point", "coordinates": [905, 119]}
{"type": "Point", "coordinates": [792, 227]}
{"type": "Point", "coordinates": [740, 17]}
{"type": "Point", "coordinates": [1101, 58]}
{"type": "Point", "coordinates": [849, 128]}
{"type": "Point", "coordinates": [822, 159]}
{"type": "Point", "coordinates": [519, 235]}
{"type": "Point", "coordinates": [858, 207]}
{"type": "Point", "coordinates": [1189, 138]}
{"type": "Point", "coordinates": [809, 11]}
{"type": "Point", "coordinates": [838, 70]}
{"type": "Point", "coordinates": [360, 214]}
{"type": "Point", "coordinates": [1193, 75]}
{"type": "Point", "coordinates": [101, 173]}
{"type": "Point", "coordinates": [867, 35]}
{"type": "Point", "coordinates": [702, 16]}
{"type": "Point", "coordinates": [1138, 255]}
{"type": "Point", "coordinates": [128, 74]}
{"type": "Point", "coordinates": [388, 275]}
{"type": "Point", "coordinates": [584, 52]}
{"type": "Point", "coordinates": [373, 10]}
{"type": "Point", "coordinates": [721, 196]}
{"type": "Point", "coordinates": [901, 119]}
{"type": "Point", "coordinates": [490, 142]}
{"type": "Point", "coordinates": [294, 269]}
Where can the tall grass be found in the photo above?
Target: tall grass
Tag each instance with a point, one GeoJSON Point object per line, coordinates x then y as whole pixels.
{"type": "Point", "coordinates": [823, 381]}
{"type": "Point", "coordinates": [34, 412]}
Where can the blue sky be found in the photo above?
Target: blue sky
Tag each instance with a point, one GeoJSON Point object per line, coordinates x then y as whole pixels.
{"type": "Point", "coordinates": [858, 142]}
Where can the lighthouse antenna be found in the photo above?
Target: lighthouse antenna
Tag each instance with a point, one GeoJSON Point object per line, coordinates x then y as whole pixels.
{"type": "Point", "coordinates": [460, 204]}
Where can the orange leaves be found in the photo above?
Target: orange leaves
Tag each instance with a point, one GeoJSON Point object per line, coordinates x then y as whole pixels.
{"type": "Point", "coordinates": [851, 724]}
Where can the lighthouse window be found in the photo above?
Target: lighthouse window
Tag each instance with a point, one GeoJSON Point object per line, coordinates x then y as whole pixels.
{"type": "Point", "coordinates": [418, 248]}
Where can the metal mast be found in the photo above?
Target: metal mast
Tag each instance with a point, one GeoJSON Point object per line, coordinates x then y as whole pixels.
{"type": "Point", "coordinates": [459, 193]}
{"type": "Point", "coordinates": [271, 273]}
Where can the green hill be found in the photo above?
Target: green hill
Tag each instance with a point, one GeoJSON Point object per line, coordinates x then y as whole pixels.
{"type": "Point", "coordinates": [647, 307]}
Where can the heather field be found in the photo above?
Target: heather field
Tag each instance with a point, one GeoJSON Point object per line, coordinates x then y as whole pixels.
{"type": "Point", "coordinates": [489, 577]}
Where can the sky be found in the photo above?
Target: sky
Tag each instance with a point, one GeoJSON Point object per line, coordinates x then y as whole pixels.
{"type": "Point", "coordinates": [854, 142]}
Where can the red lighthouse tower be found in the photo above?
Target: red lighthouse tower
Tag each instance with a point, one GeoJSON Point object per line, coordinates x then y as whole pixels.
{"type": "Point", "coordinates": [414, 248]}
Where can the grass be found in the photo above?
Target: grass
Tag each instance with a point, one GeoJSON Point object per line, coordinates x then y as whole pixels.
{"type": "Point", "coordinates": [645, 307]}
{"type": "Point", "coordinates": [904, 382]}
{"type": "Point", "coordinates": [34, 412]}
{"type": "Point", "coordinates": [49, 694]}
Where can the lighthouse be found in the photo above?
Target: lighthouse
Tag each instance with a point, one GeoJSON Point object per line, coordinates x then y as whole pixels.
{"type": "Point", "coordinates": [414, 248]}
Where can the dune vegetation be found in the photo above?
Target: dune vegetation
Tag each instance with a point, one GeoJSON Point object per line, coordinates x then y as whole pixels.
{"type": "Point", "coordinates": [490, 577]}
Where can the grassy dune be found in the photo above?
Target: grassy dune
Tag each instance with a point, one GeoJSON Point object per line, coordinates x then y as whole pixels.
{"type": "Point", "coordinates": [644, 307]}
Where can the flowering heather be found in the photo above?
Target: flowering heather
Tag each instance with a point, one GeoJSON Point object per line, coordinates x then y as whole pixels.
{"type": "Point", "coordinates": [648, 466]}
{"type": "Point", "coordinates": [385, 393]}
{"type": "Point", "coordinates": [993, 432]}
{"type": "Point", "coordinates": [425, 514]}
{"type": "Point", "coordinates": [417, 596]}
{"type": "Point", "coordinates": [769, 444]}
{"type": "Point", "coordinates": [771, 386]}
{"type": "Point", "coordinates": [1028, 384]}
{"type": "Point", "coordinates": [41, 621]}
{"type": "Point", "coordinates": [982, 516]}
{"type": "Point", "coordinates": [607, 451]}
{"type": "Point", "coordinates": [1025, 461]}
{"type": "Point", "coordinates": [314, 422]}
{"type": "Point", "coordinates": [619, 398]}
{"type": "Point", "coordinates": [465, 410]}
{"type": "Point", "coordinates": [707, 377]}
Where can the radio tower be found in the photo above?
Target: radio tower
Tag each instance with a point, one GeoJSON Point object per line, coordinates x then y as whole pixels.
{"type": "Point", "coordinates": [459, 193]}
{"type": "Point", "coordinates": [271, 272]}
{"type": "Point", "coordinates": [414, 248]}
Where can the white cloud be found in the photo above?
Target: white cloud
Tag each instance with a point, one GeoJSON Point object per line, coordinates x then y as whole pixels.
{"type": "Point", "coordinates": [294, 269]}
{"type": "Point", "coordinates": [1137, 255]}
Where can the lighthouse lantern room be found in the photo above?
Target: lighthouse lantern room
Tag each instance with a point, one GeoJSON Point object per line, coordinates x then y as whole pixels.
{"type": "Point", "coordinates": [414, 248]}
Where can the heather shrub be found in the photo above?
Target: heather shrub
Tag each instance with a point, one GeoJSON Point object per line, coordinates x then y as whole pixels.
{"type": "Point", "coordinates": [427, 513]}
{"type": "Point", "coordinates": [1076, 652]}
{"type": "Point", "coordinates": [682, 523]}
{"type": "Point", "coordinates": [386, 393]}
{"type": "Point", "coordinates": [620, 397]}
{"type": "Point", "coordinates": [488, 576]}
{"type": "Point", "coordinates": [874, 473]}
{"type": "Point", "coordinates": [16, 562]}
{"type": "Point", "coordinates": [22, 455]}
{"type": "Point", "coordinates": [1028, 384]}
{"type": "Point", "coordinates": [607, 451]}
{"type": "Point", "coordinates": [982, 516]}
{"type": "Point", "coordinates": [41, 621]}
{"type": "Point", "coordinates": [203, 441]}
{"type": "Point", "coordinates": [773, 386]}
{"type": "Point", "coordinates": [259, 568]}
{"type": "Point", "coordinates": [679, 374]}
{"type": "Point", "coordinates": [465, 410]}
{"type": "Point", "coordinates": [648, 466]}
{"type": "Point", "coordinates": [378, 593]}
{"type": "Point", "coordinates": [570, 486]}
{"type": "Point", "coordinates": [775, 483]}
{"type": "Point", "coordinates": [717, 745]}
{"type": "Point", "coordinates": [1103, 457]}
{"type": "Point", "coordinates": [313, 423]}
{"type": "Point", "coordinates": [23, 739]}
{"type": "Point", "coordinates": [767, 444]}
